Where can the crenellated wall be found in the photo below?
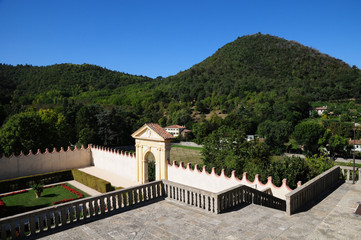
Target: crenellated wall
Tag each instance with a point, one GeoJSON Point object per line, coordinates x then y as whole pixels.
{"type": "Point", "coordinates": [121, 163]}
{"type": "Point", "coordinates": [29, 164]}
{"type": "Point", "coordinates": [215, 183]}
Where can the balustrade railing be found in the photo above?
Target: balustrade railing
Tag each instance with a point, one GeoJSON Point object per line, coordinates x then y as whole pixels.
{"type": "Point", "coordinates": [45, 219]}
{"type": "Point", "coordinates": [58, 216]}
{"type": "Point", "coordinates": [348, 173]}
{"type": "Point", "coordinates": [308, 191]}
{"type": "Point", "coordinates": [190, 196]}
{"type": "Point", "coordinates": [221, 201]}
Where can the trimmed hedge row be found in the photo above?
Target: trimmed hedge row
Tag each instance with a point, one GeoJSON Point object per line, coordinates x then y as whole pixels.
{"type": "Point", "coordinates": [14, 184]}
{"type": "Point", "coordinates": [91, 181]}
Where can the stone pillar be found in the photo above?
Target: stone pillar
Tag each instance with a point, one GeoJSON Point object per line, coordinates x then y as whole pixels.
{"type": "Point", "coordinates": [158, 164]}
{"type": "Point", "coordinates": [137, 154]}
{"type": "Point", "coordinates": [140, 162]}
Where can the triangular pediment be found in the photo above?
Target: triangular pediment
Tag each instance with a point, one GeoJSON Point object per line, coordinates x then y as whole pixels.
{"type": "Point", "coordinates": [152, 131]}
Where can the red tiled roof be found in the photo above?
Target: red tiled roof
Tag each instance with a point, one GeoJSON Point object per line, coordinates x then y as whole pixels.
{"type": "Point", "coordinates": [320, 108]}
{"type": "Point", "coordinates": [357, 142]}
{"type": "Point", "coordinates": [159, 130]}
{"type": "Point", "coordinates": [175, 126]}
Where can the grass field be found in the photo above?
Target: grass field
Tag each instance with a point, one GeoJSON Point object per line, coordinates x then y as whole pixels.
{"type": "Point", "coordinates": [187, 147]}
{"type": "Point", "coordinates": [186, 154]}
{"type": "Point", "coordinates": [27, 201]}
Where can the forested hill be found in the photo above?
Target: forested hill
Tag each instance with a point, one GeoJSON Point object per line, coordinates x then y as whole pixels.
{"type": "Point", "coordinates": [25, 83]}
{"type": "Point", "coordinates": [259, 62]}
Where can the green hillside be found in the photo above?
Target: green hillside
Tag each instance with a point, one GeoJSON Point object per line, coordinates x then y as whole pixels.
{"type": "Point", "coordinates": [51, 84]}
{"type": "Point", "coordinates": [262, 63]}
{"type": "Point", "coordinates": [257, 82]}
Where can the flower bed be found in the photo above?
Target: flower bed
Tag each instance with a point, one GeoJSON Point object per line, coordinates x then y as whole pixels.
{"type": "Point", "coordinates": [70, 190]}
{"type": "Point", "coordinates": [13, 193]}
{"type": "Point", "coordinates": [2, 204]}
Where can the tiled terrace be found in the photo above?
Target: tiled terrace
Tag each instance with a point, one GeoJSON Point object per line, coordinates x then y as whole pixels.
{"type": "Point", "coordinates": [331, 218]}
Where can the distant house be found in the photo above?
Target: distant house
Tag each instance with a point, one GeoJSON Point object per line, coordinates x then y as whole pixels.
{"type": "Point", "coordinates": [319, 110]}
{"type": "Point", "coordinates": [357, 147]}
{"type": "Point", "coordinates": [250, 138]}
{"type": "Point", "coordinates": [175, 130]}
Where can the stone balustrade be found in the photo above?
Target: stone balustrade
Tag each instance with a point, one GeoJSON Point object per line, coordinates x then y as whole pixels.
{"type": "Point", "coordinates": [308, 191]}
{"type": "Point", "coordinates": [59, 216]}
{"type": "Point", "coordinates": [221, 201]}
{"type": "Point", "coordinates": [347, 172]}
{"type": "Point", "coordinates": [191, 196]}
{"type": "Point", "coordinates": [87, 209]}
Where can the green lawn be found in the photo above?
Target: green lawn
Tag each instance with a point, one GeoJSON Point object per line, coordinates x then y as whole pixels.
{"type": "Point", "coordinates": [24, 202]}
{"type": "Point", "coordinates": [186, 154]}
{"type": "Point", "coordinates": [187, 147]}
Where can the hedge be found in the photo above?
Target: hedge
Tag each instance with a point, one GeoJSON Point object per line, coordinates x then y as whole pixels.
{"type": "Point", "coordinates": [14, 184]}
{"type": "Point", "coordinates": [91, 181]}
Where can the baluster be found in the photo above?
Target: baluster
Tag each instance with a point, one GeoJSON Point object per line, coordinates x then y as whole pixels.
{"type": "Point", "coordinates": [72, 211]}
{"type": "Point", "coordinates": [200, 202]}
{"type": "Point", "coordinates": [21, 227]}
{"type": "Point", "coordinates": [348, 175]}
{"type": "Point", "coordinates": [102, 205]}
{"type": "Point", "coordinates": [96, 206]}
{"type": "Point", "coordinates": [63, 217]}
{"type": "Point", "coordinates": [48, 219]}
{"type": "Point", "coordinates": [122, 200]}
{"type": "Point", "coordinates": [13, 229]}
{"type": "Point", "coordinates": [91, 208]}
{"type": "Point", "coordinates": [206, 205]}
{"type": "Point", "coordinates": [166, 187]}
{"type": "Point", "coordinates": [211, 206]}
{"type": "Point", "coordinates": [158, 189]}
{"type": "Point", "coordinates": [109, 203]}
{"type": "Point", "coordinates": [3, 231]}
{"type": "Point", "coordinates": [56, 218]}
{"type": "Point", "coordinates": [41, 223]}
{"type": "Point", "coordinates": [153, 192]}
{"type": "Point", "coordinates": [118, 200]}
{"type": "Point", "coordinates": [78, 210]}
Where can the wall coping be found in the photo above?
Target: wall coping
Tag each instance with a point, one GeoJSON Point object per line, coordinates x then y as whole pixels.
{"type": "Point", "coordinates": [310, 182]}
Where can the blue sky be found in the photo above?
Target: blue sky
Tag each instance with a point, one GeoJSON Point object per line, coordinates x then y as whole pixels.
{"type": "Point", "coordinates": [161, 38]}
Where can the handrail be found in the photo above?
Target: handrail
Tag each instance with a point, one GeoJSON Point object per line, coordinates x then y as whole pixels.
{"type": "Point", "coordinates": [302, 195]}
{"type": "Point", "coordinates": [45, 219]}
{"type": "Point", "coordinates": [220, 201]}
{"type": "Point", "coordinates": [58, 216]}
{"type": "Point", "coordinates": [347, 172]}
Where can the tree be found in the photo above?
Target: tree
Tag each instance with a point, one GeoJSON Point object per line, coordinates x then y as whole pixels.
{"type": "Point", "coordinates": [32, 130]}
{"type": "Point", "coordinates": [293, 169]}
{"type": "Point", "coordinates": [338, 145]}
{"type": "Point", "coordinates": [228, 149]}
{"type": "Point", "coordinates": [87, 124]}
{"type": "Point", "coordinates": [275, 134]}
{"type": "Point", "coordinates": [308, 134]}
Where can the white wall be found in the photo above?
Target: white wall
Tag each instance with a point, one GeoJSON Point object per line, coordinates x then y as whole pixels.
{"type": "Point", "coordinates": [215, 183]}
{"type": "Point", "coordinates": [115, 161]}
{"type": "Point", "coordinates": [24, 165]}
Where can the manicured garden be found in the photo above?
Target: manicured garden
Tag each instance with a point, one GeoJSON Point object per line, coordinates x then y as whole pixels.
{"type": "Point", "coordinates": [26, 200]}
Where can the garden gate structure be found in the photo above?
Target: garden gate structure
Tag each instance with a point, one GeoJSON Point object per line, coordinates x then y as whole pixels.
{"type": "Point", "coordinates": [152, 139]}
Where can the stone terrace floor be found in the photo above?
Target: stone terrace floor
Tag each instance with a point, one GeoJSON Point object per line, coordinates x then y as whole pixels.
{"type": "Point", "coordinates": [331, 218]}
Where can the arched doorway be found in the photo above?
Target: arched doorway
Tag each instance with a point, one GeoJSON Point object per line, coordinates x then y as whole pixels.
{"type": "Point", "coordinates": [150, 167]}
{"type": "Point", "coordinates": [152, 139]}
